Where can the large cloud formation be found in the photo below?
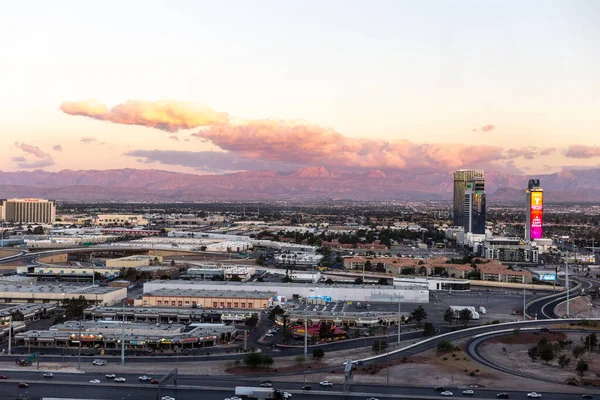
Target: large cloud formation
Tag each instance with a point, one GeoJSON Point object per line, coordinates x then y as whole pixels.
{"type": "Point", "coordinates": [166, 115]}
{"type": "Point", "coordinates": [297, 142]}
{"type": "Point", "coordinates": [40, 158]}
{"type": "Point", "coordinates": [580, 151]}
{"type": "Point", "coordinates": [306, 144]}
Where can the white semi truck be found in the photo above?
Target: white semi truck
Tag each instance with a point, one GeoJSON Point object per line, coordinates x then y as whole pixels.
{"type": "Point", "coordinates": [260, 393]}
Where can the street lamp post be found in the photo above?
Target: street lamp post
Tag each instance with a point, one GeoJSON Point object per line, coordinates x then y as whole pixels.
{"type": "Point", "coordinates": [567, 282]}
{"type": "Point", "coordinates": [79, 348]}
{"type": "Point", "coordinates": [9, 335]}
{"type": "Point", "coordinates": [123, 336]}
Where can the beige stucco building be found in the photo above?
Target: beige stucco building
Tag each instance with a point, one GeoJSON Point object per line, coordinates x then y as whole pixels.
{"type": "Point", "coordinates": [207, 299]}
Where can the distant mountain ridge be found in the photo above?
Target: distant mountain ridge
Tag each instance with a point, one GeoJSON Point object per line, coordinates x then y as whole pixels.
{"type": "Point", "coordinates": [310, 183]}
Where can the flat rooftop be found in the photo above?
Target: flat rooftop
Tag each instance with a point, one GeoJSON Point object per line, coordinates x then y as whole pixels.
{"type": "Point", "coordinates": [209, 293]}
{"type": "Point", "coordinates": [163, 311]}
{"type": "Point", "coordinates": [275, 285]}
{"type": "Point", "coordinates": [62, 288]}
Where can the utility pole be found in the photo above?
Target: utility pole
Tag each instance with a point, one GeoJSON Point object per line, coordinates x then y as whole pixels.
{"type": "Point", "coordinates": [79, 348]}
{"type": "Point", "coordinates": [305, 344]}
{"type": "Point", "coordinates": [399, 319]}
{"type": "Point", "coordinates": [567, 285]}
{"type": "Point", "coordinates": [9, 335]}
{"type": "Point", "coordinates": [524, 312]}
{"type": "Point", "coordinates": [123, 336]}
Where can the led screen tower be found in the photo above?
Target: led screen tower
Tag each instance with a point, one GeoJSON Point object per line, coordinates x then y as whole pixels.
{"type": "Point", "coordinates": [535, 209]}
{"type": "Point", "coordinates": [461, 178]}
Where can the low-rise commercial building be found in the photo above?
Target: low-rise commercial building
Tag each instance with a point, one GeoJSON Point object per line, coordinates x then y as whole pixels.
{"type": "Point", "coordinates": [209, 298]}
{"type": "Point", "coordinates": [59, 293]}
{"type": "Point", "coordinates": [408, 293]}
{"type": "Point", "coordinates": [142, 336]}
{"type": "Point", "coordinates": [67, 272]}
{"type": "Point", "coordinates": [435, 283]}
{"type": "Point", "coordinates": [120, 220]}
{"type": "Point", "coordinates": [169, 314]}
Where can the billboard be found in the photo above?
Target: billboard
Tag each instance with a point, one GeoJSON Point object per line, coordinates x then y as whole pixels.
{"type": "Point", "coordinates": [536, 208]}
{"type": "Point", "coordinates": [547, 277]}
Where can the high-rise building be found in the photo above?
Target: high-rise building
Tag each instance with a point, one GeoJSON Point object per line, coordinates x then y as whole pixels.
{"type": "Point", "coordinates": [28, 211]}
{"type": "Point", "coordinates": [474, 213]}
{"type": "Point", "coordinates": [535, 209]}
{"type": "Point", "coordinates": [461, 177]}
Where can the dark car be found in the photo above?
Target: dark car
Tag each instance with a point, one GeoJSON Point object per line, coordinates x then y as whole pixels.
{"type": "Point", "coordinates": [306, 387]}
{"type": "Point", "coordinates": [154, 381]}
{"type": "Point", "coordinates": [545, 330]}
{"type": "Point", "coordinates": [3, 377]}
{"type": "Point", "coordinates": [503, 395]}
{"type": "Point", "coordinates": [440, 388]}
{"type": "Point", "coordinates": [23, 385]}
{"type": "Point", "coordinates": [587, 396]}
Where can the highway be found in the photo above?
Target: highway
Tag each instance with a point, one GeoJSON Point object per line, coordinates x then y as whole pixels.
{"type": "Point", "coordinates": [207, 388]}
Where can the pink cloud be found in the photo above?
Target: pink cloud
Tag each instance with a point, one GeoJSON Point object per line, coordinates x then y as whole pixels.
{"type": "Point", "coordinates": [167, 115]}
{"type": "Point", "coordinates": [57, 147]}
{"type": "Point", "coordinates": [87, 140]}
{"type": "Point", "coordinates": [40, 158]}
{"type": "Point", "coordinates": [580, 151]}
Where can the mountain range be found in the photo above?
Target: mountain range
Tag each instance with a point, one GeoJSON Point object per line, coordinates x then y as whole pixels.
{"type": "Point", "coordinates": [312, 183]}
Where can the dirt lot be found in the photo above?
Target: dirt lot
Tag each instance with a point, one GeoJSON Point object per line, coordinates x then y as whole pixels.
{"type": "Point", "coordinates": [512, 353]}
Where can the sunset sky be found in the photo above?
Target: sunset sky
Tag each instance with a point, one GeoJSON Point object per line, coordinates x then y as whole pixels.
{"type": "Point", "coordinates": [219, 86]}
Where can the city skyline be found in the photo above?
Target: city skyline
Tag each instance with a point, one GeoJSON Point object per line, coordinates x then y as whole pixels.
{"type": "Point", "coordinates": [273, 86]}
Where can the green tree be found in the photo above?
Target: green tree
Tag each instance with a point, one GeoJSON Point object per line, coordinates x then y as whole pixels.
{"type": "Point", "coordinates": [253, 360]}
{"type": "Point", "coordinates": [38, 230]}
{"type": "Point", "coordinates": [465, 315]}
{"type": "Point", "coordinates": [428, 329]}
{"type": "Point", "coordinates": [581, 367]}
{"type": "Point", "coordinates": [578, 351]}
{"type": "Point", "coordinates": [277, 310]}
{"type": "Point", "coordinates": [74, 307]}
{"type": "Point", "coordinates": [299, 359]}
{"type": "Point", "coordinates": [533, 353]}
{"type": "Point", "coordinates": [325, 330]}
{"type": "Point", "coordinates": [382, 282]}
{"type": "Point", "coordinates": [267, 361]}
{"type": "Point", "coordinates": [445, 345]}
{"type": "Point", "coordinates": [251, 322]}
{"type": "Point", "coordinates": [17, 316]}
{"type": "Point", "coordinates": [547, 353]}
{"type": "Point", "coordinates": [379, 345]}
{"type": "Point", "coordinates": [564, 361]}
{"type": "Point", "coordinates": [419, 314]}
{"type": "Point", "coordinates": [359, 281]}
{"type": "Point", "coordinates": [318, 353]}
{"type": "Point", "coordinates": [329, 281]}
{"type": "Point", "coordinates": [449, 316]}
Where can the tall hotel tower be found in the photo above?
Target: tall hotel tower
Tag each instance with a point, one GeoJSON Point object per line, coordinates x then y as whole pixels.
{"type": "Point", "coordinates": [461, 178]}
{"type": "Point", "coordinates": [474, 216]}
{"type": "Point", "coordinates": [534, 211]}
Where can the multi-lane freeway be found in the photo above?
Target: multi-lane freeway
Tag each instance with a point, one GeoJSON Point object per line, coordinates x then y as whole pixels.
{"type": "Point", "coordinates": [207, 387]}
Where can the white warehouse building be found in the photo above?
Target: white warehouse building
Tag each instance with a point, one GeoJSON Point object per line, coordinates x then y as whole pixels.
{"type": "Point", "coordinates": [385, 294]}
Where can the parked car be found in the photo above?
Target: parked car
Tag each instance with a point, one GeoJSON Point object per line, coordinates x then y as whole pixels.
{"type": "Point", "coordinates": [503, 395]}
{"type": "Point", "coordinates": [233, 398]}
{"type": "Point", "coordinates": [325, 383]}
{"type": "Point", "coordinates": [266, 384]}
{"type": "Point", "coordinates": [120, 379]}
{"type": "Point", "coordinates": [534, 395]}
{"type": "Point", "coordinates": [468, 392]}
{"type": "Point", "coordinates": [155, 381]}
{"type": "Point", "coordinates": [372, 398]}
{"type": "Point", "coordinates": [99, 362]}
{"type": "Point", "coordinates": [587, 396]}
{"type": "Point", "coordinates": [447, 393]}
{"type": "Point", "coordinates": [167, 398]}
